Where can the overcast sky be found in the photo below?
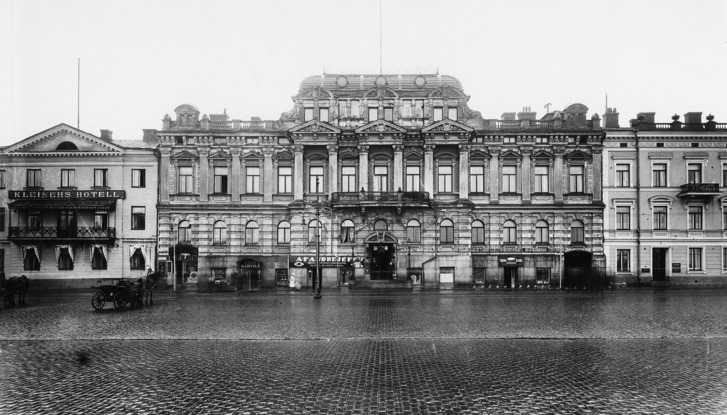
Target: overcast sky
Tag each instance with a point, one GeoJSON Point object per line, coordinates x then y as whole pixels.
{"type": "Point", "coordinates": [141, 59]}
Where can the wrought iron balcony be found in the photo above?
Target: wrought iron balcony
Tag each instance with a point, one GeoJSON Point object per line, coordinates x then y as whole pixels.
{"type": "Point", "coordinates": [396, 199]}
{"type": "Point", "coordinates": [18, 234]}
{"type": "Point", "coordinates": [699, 191]}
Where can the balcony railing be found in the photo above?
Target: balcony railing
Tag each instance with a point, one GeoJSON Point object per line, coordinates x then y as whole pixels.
{"type": "Point", "coordinates": [358, 197]}
{"type": "Point", "coordinates": [54, 233]}
{"type": "Point", "coordinates": [700, 188]}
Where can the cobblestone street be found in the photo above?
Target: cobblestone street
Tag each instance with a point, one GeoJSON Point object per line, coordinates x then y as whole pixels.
{"type": "Point", "coordinates": [492, 352]}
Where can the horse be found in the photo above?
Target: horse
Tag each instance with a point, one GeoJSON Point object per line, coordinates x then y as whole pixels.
{"type": "Point", "coordinates": [149, 283]}
{"type": "Point", "coordinates": [13, 285]}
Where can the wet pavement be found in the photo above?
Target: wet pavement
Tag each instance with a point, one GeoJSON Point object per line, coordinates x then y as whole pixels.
{"type": "Point", "coordinates": [491, 352]}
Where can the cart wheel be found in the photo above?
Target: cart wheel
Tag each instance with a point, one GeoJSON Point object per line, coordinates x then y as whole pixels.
{"type": "Point", "coordinates": [119, 301]}
{"type": "Point", "coordinates": [99, 300]}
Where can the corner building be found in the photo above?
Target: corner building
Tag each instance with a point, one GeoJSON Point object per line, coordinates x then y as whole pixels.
{"type": "Point", "coordinates": [394, 179]}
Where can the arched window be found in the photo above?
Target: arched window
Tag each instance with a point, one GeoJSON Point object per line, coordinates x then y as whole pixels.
{"type": "Point", "coordinates": [478, 232]}
{"type": "Point", "coordinates": [219, 233]}
{"type": "Point", "coordinates": [347, 231]}
{"type": "Point", "coordinates": [283, 232]}
{"type": "Point", "coordinates": [251, 233]}
{"type": "Point", "coordinates": [576, 232]}
{"type": "Point", "coordinates": [66, 146]}
{"type": "Point", "coordinates": [380, 225]}
{"type": "Point", "coordinates": [542, 232]}
{"type": "Point", "coordinates": [414, 231]}
{"type": "Point", "coordinates": [446, 232]}
{"type": "Point", "coordinates": [509, 232]}
{"type": "Point", "coordinates": [313, 231]}
{"type": "Point", "coordinates": [185, 232]}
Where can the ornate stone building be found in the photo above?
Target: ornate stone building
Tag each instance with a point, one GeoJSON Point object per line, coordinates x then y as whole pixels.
{"type": "Point", "coordinates": [394, 179]}
{"type": "Point", "coordinates": [666, 209]}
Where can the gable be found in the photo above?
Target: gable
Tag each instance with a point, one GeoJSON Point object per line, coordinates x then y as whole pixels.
{"type": "Point", "coordinates": [314, 127]}
{"type": "Point", "coordinates": [219, 154]}
{"type": "Point", "coordinates": [448, 126]}
{"type": "Point", "coordinates": [379, 127]}
{"type": "Point", "coordinates": [577, 154]}
{"type": "Point", "coordinates": [283, 155]}
{"type": "Point", "coordinates": [72, 142]}
{"type": "Point", "coordinates": [184, 155]}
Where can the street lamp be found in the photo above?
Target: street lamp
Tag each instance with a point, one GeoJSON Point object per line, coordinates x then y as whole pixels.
{"type": "Point", "coordinates": [317, 208]}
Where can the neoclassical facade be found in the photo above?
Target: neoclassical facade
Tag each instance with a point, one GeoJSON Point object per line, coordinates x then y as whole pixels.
{"type": "Point", "coordinates": [393, 179]}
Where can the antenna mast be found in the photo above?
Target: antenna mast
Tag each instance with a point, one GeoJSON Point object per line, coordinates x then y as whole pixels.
{"type": "Point", "coordinates": [381, 43]}
{"type": "Point", "coordinates": [78, 96]}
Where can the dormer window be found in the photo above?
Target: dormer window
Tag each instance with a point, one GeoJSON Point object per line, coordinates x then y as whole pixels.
{"type": "Point", "coordinates": [66, 146]}
{"type": "Point", "coordinates": [452, 113]}
{"type": "Point", "coordinates": [437, 116]}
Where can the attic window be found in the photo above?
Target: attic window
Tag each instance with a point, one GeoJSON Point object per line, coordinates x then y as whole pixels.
{"type": "Point", "coordinates": [66, 146]}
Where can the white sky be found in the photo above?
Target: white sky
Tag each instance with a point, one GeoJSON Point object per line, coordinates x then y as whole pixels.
{"type": "Point", "coordinates": [140, 59]}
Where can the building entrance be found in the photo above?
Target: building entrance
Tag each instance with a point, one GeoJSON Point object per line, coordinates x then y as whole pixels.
{"type": "Point", "coordinates": [511, 279]}
{"type": "Point", "coordinates": [659, 263]}
{"type": "Point", "coordinates": [577, 269]}
{"type": "Point", "coordinates": [383, 261]}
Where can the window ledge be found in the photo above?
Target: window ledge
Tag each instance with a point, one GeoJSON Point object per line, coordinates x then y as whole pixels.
{"type": "Point", "coordinates": [100, 188]}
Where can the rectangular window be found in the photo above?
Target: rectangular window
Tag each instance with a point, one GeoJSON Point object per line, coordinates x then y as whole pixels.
{"type": "Point", "coordinates": [98, 261]}
{"type": "Point", "coordinates": [65, 263]}
{"type": "Point", "coordinates": [406, 109]}
{"type": "Point", "coordinates": [342, 109]}
{"type": "Point", "coordinates": [315, 184]}
{"type": "Point", "coordinates": [412, 178]}
{"type": "Point", "coordinates": [381, 179]}
{"type": "Point", "coordinates": [509, 140]}
{"type": "Point", "coordinates": [623, 218]}
{"type": "Point", "coordinates": [576, 179]}
{"type": "Point", "coordinates": [138, 178]}
{"type": "Point", "coordinates": [138, 218]}
{"type": "Point", "coordinates": [100, 178]}
{"type": "Point", "coordinates": [219, 141]}
{"type": "Point", "coordinates": [437, 115]}
{"type": "Point", "coordinates": [694, 173]}
{"type": "Point", "coordinates": [724, 218]}
{"type": "Point", "coordinates": [660, 218]}
{"type": "Point", "coordinates": [220, 178]}
{"type": "Point", "coordinates": [623, 260]}
{"type": "Point", "coordinates": [67, 223]}
{"type": "Point", "coordinates": [33, 178]}
{"type": "Point", "coordinates": [2, 221]}
{"type": "Point", "coordinates": [252, 179]}
{"type": "Point", "coordinates": [695, 259]}
{"type": "Point", "coordinates": [695, 217]}
{"type": "Point", "coordinates": [137, 260]}
{"type": "Point", "coordinates": [418, 110]}
{"type": "Point", "coordinates": [252, 140]}
{"type": "Point", "coordinates": [348, 178]}
{"type": "Point", "coordinates": [283, 235]}
{"type": "Point", "coordinates": [355, 110]}
{"type": "Point", "coordinates": [389, 113]}
{"type": "Point", "coordinates": [659, 175]}
{"type": "Point", "coordinates": [285, 179]}
{"type": "Point", "coordinates": [100, 220]}
{"type": "Point", "coordinates": [478, 235]}
{"type": "Point", "coordinates": [414, 234]}
{"type": "Point", "coordinates": [541, 179]}
{"type": "Point", "coordinates": [623, 175]}
{"type": "Point", "coordinates": [477, 179]}
{"type": "Point", "coordinates": [373, 113]}
{"type": "Point", "coordinates": [68, 177]}
{"type": "Point", "coordinates": [323, 114]}
{"type": "Point", "coordinates": [509, 179]}
{"type": "Point", "coordinates": [542, 275]}
{"type": "Point", "coordinates": [724, 176]}
{"type": "Point", "coordinates": [34, 221]}
{"type": "Point", "coordinates": [444, 174]}
{"type": "Point", "coordinates": [724, 259]}
{"type": "Point", "coordinates": [308, 114]}
{"type": "Point", "coordinates": [31, 262]}
{"type": "Point", "coordinates": [452, 113]}
{"type": "Point", "coordinates": [186, 183]}
{"type": "Point", "coordinates": [2, 179]}
{"type": "Point", "coordinates": [541, 140]}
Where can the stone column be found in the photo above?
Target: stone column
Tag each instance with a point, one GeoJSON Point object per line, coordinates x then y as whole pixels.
{"type": "Point", "coordinates": [332, 169]}
{"type": "Point", "coordinates": [267, 176]}
{"type": "Point", "coordinates": [527, 178]}
{"type": "Point", "coordinates": [398, 167]}
{"type": "Point", "coordinates": [298, 186]}
{"type": "Point", "coordinates": [203, 173]}
{"type": "Point", "coordinates": [164, 182]}
{"type": "Point", "coordinates": [429, 169]}
{"type": "Point", "coordinates": [558, 173]}
{"type": "Point", "coordinates": [464, 166]}
{"type": "Point", "coordinates": [363, 167]}
{"type": "Point", "coordinates": [597, 168]}
{"type": "Point", "coordinates": [495, 174]}
{"type": "Point", "coordinates": [235, 174]}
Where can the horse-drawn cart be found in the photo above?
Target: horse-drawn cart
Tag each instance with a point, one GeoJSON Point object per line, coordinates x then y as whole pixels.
{"type": "Point", "coordinates": [120, 294]}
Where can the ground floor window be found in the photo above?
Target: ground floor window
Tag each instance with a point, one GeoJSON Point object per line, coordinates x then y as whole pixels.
{"type": "Point", "coordinates": [31, 262]}
{"type": "Point", "coordinates": [218, 273]}
{"type": "Point", "coordinates": [724, 259]}
{"type": "Point", "coordinates": [137, 260]}
{"type": "Point", "coordinates": [623, 260]}
{"type": "Point", "coordinates": [65, 259]}
{"type": "Point", "coordinates": [542, 275]}
{"type": "Point", "coordinates": [281, 277]}
{"type": "Point", "coordinates": [98, 260]}
{"type": "Point", "coordinates": [695, 259]}
{"type": "Point", "coordinates": [478, 274]}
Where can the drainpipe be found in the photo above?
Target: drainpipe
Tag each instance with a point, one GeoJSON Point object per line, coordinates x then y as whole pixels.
{"type": "Point", "coordinates": [638, 211]}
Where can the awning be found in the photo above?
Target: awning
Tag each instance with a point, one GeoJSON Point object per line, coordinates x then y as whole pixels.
{"type": "Point", "coordinates": [59, 204]}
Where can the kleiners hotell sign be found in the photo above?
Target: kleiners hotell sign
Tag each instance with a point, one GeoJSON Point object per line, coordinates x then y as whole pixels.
{"type": "Point", "coordinates": [66, 194]}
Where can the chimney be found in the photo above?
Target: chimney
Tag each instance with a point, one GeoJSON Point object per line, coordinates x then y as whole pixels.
{"type": "Point", "coordinates": [106, 135]}
{"type": "Point", "coordinates": [526, 114]}
{"type": "Point", "coordinates": [693, 118]}
{"type": "Point", "coordinates": [610, 118]}
{"type": "Point", "coordinates": [648, 117]}
{"type": "Point", "coordinates": [150, 137]}
{"type": "Point", "coordinates": [508, 116]}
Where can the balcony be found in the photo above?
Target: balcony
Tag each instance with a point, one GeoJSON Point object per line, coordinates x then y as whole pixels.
{"type": "Point", "coordinates": [54, 234]}
{"type": "Point", "coordinates": [383, 199]}
{"type": "Point", "coordinates": [699, 191]}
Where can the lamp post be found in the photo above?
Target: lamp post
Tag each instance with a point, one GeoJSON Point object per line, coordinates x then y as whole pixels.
{"type": "Point", "coordinates": [317, 208]}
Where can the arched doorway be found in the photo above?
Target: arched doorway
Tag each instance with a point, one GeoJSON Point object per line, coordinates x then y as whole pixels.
{"type": "Point", "coordinates": [577, 270]}
{"type": "Point", "coordinates": [381, 253]}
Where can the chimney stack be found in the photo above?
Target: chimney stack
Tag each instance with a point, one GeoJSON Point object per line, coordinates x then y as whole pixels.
{"type": "Point", "coordinates": [693, 118]}
{"type": "Point", "coordinates": [106, 135]}
{"type": "Point", "coordinates": [610, 118]}
{"type": "Point", "coordinates": [648, 117]}
{"type": "Point", "coordinates": [526, 114]}
{"type": "Point", "coordinates": [508, 116]}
